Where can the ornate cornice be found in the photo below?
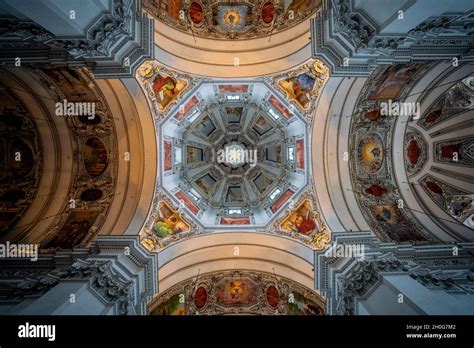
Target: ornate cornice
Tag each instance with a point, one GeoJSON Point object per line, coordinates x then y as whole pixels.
{"type": "Point", "coordinates": [106, 268]}
{"type": "Point", "coordinates": [114, 45]}
{"type": "Point", "coordinates": [362, 278]}
{"type": "Point", "coordinates": [347, 40]}
{"type": "Point", "coordinates": [438, 267]}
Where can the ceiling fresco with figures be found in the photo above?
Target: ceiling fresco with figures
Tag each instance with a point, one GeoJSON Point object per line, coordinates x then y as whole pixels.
{"type": "Point", "coordinates": [238, 292]}
{"type": "Point", "coordinates": [372, 166]}
{"type": "Point", "coordinates": [232, 19]}
{"type": "Point", "coordinates": [234, 154]}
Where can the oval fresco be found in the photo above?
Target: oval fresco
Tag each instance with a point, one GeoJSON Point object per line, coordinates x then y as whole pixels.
{"type": "Point", "coordinates": [413, 152]}
{"type": "Point", "coordinates": [95, 156]}
{"type": "Point", "coordinates": [200, 297]}
{"type": "Point", "coordinates": [268, 12]}
{"type": "Point", "coordinates": [91, 195]}
{"type": "Point", "coordinates": [301, 220]}
{"type": "Point", "coordinates": [370, 153]}
{"type": "Point", "coordinates": [21, 159]}
{"type": "Point", "coordinates": [273, 297]}
{"type": "Point", "coordinates": [196, 13]}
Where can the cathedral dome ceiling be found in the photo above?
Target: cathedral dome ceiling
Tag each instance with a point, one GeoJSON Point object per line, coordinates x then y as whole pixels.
{"type": "Point", "coordinates": [239, 153]}
{"type": "Point", "coordinates": [233, 153]}
{"type": "Point", "coordinates": [211, 180]}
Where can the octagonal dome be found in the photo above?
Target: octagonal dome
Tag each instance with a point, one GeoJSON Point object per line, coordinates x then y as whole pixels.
{"type": "Point", "coordinates": [233, 154]}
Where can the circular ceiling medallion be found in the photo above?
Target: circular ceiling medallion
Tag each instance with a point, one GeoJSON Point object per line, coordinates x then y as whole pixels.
{"type": "Point", "coordinates": [235, 154]}
{"type": "Point", "coordinates": [232, 18]}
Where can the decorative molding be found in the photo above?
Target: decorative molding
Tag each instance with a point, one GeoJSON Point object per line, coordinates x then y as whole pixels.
{"type": "Point", "coordinates": [12, 29]}
{"type": "Point", "coordinates": [106, 267]}
{"type": "Point", "coordinates": [455, 202]}
{"type": "Point", "coordinates": [343, 281]}
{"type": "Point", "coordinates": [346, 40]}
{"type": "Point", "coordinates": [456, 151]}
{"type": "Point", "coordinates": [458, 99]}
{"type": "Point", "coordinates": [114, 45]}
{"type": "Point", "coordinates": [415, 150]}
{"type": "Point", "coordinates": [362, 278]}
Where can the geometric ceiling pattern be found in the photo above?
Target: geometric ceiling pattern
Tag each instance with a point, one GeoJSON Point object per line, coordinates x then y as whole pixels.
{"type": "Point", "coordinates": [454, 106]}
{"type": "Point", "coordinates": [238, 160]}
